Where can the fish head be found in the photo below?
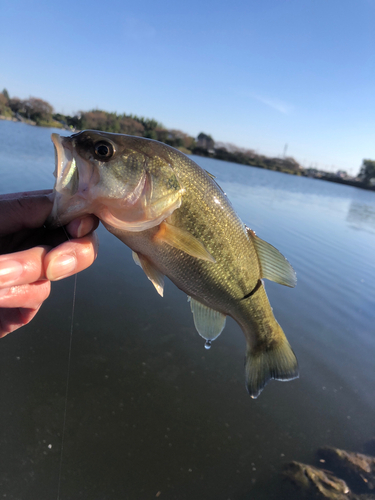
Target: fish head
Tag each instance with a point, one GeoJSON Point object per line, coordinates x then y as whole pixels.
{"type": "Point", "coordinates": [128, 182]}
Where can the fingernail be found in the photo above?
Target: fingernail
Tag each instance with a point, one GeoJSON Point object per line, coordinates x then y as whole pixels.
{"type": "Point", "coordinates": [10, 270]}
{"type": "Point", "coordinates": [4, 291]}
{"type": "Point", "coordinates": [61, 267]}
{"type": "Point", "coordinates": [85, 226]}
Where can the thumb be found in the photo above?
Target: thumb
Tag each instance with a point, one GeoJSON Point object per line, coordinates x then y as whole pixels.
{"type": "Point", "coordinates": [24, 211]}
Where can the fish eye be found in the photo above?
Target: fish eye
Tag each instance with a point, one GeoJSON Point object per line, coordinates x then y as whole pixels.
{"type": "Point", "coordinates": [103, 150]}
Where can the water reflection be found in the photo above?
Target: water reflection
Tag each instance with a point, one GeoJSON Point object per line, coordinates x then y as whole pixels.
{"type": "Point", "coordinates": [361, 216]}
{"type": "Point", "coordinates": [149, 409]}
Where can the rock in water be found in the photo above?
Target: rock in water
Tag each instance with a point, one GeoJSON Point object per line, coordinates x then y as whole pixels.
{"type": "Point", "coordinates": [359, 469]}
{"type": "Point", "coordinates": [319, 483]}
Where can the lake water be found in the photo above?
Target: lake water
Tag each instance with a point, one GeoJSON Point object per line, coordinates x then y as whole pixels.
{"type": "Point", "coordinates": [151, 413]}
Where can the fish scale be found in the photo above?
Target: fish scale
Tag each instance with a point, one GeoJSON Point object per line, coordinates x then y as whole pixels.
{"type": "Point", "coordinates": [180, 224]}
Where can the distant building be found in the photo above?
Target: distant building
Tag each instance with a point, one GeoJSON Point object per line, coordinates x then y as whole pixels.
{"type": "Point", "coordinates": [205, 141]}
{"type": "Point", "coordinates": [342, 174]}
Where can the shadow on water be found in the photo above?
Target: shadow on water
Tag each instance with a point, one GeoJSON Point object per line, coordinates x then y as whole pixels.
{"type": "Point", "coordinates": [150, 412]}
{"type": "Point", "coordinates": [149, 408]}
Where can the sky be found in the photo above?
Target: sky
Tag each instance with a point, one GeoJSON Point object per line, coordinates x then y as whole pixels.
{"type": "Point", "coordinates": [265, 75]}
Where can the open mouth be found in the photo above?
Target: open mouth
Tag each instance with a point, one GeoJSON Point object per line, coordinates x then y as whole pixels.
{"type": "Point", "coordinates": [68, 202]}
{"type": "Point", "coordinates": [66, 171]}
{"type": "Point", "coordinates": [83, 187]}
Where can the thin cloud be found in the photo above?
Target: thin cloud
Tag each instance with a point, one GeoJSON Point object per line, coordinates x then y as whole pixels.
{"type": "Point", "coordinates": [280, 106]}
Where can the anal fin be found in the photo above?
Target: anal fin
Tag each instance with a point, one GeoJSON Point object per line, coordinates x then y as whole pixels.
{"type": "Point", "coordinates": [208, 322]}
{"type": "Point", "coordinates": [183, 240]}
{"type": "Point", "coordinates": [274, 265]}
{"type": "Point", "coordinates": [153, 274]}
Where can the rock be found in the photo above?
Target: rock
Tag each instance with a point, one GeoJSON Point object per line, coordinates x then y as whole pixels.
{"type": "Point", "coordinates": [358, 469]}
{"type": "Point", "coordinates": [322, 484]}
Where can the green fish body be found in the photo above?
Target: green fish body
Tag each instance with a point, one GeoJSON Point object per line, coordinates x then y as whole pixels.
{"type": "Point", "coordinates": [180, 224]}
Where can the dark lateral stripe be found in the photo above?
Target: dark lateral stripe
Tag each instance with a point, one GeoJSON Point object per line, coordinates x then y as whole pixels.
{"type": "Point", "coordinates": [257, 286]}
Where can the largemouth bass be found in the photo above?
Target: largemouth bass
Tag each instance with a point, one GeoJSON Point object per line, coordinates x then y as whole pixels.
{"type": "Point", "coordinates": [180, 224]}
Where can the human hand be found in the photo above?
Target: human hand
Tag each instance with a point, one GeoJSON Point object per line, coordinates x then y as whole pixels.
{"type": "Point", "coordinates": [31, 255]}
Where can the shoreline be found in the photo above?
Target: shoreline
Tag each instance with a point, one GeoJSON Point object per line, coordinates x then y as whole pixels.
{"type": "Point", "coordinates": [274, 164]}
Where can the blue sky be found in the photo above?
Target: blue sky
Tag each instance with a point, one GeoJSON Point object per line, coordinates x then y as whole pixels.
{"type": "Point", "coordinates": [259, 74]}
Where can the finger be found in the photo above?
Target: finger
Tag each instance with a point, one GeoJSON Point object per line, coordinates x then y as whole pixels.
{"type": "Point", "coordinates": [75, 229]}
{"type": "Point", "coordinates": [27, 296]}
{"type": "Point", "coordinates": [13, 196]}
{"type": "Point", "coordinates": [80, 227]}
{"type": "Point", "coordinates": [71, 257]}
{"type": "Point", "coordinates": [24, 212]}
{"type": "Point", "coordinates": [24, 267]}
{"type": "Point", "coordinates": [28, 238]}
{"type": "Point", "coordinates": [12, 319]}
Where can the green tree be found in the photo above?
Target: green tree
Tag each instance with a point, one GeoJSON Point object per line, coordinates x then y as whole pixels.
{"type": "Point", "coordinates": [38, 110]}
{"type": "Point", "coordinates": [151, 134]}
{"type": "Point", "coordinates": [3, 100]}
{"type": "Point", "coordinates": [6, 94]}
{"type": "Point", "coordinates": [110, 122]}
{"type": "Point", "coordinates": [4, 107]}
{"type": "Point", "coordinates": [74, 122]}
{"type": "Point", "coordinates": [205, 141]}
{"type": "Point", "coordinates": [367, 171]}
{"type": "Point", "coordinates": [16, 105]}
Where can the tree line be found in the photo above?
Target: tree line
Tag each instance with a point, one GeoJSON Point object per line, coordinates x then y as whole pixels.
{"type": "Point", "coordinates": [36, 111]}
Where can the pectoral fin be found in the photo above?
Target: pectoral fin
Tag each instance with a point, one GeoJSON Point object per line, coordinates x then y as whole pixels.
{"type": "Point", "coordinates": [183, 240]}
{"type": "Point", "coordinates": [209, 323]}
{"type": "Point", "coordinates": [153, 274]}
{"type": "Point", "coordinates": [273, 264]}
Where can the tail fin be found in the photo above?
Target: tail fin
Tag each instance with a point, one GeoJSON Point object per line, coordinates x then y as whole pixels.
{"type": "Point", "coordinates": [275, 362]}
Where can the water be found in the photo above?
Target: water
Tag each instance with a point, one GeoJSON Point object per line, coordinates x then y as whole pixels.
{"type": "Point", "coordinates": [149, 409]}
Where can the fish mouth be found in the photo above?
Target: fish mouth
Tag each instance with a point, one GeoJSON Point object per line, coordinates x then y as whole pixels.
{"type": "Point", "coordinates": [60, 157]}
{"type": "Point", "coordinates": [79, 191]}
{"type": "Point", "coordinates": [66, 170]}
{"type": "Point", "coordinates": [73, 175]}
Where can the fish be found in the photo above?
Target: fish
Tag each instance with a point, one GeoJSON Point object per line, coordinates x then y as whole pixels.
{"type": "Point", "coordinates": [180, 224]}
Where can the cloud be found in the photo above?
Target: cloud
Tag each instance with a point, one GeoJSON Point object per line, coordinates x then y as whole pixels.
{"type": "Point", "coordinates": [276, 104]}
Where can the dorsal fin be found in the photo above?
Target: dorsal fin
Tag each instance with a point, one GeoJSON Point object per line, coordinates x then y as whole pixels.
{"type": "Point", "coordinates": [153, 274]}
{"type": "Point", "coordinates": [208, 322]}
{"type": "Point", "coordinates": [213, 177]}
{"type": "Point", "coordinates": [273, 264]}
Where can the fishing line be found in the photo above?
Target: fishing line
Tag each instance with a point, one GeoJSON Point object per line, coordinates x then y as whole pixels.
{"type": "Point", "coordinates": [67, 380]}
